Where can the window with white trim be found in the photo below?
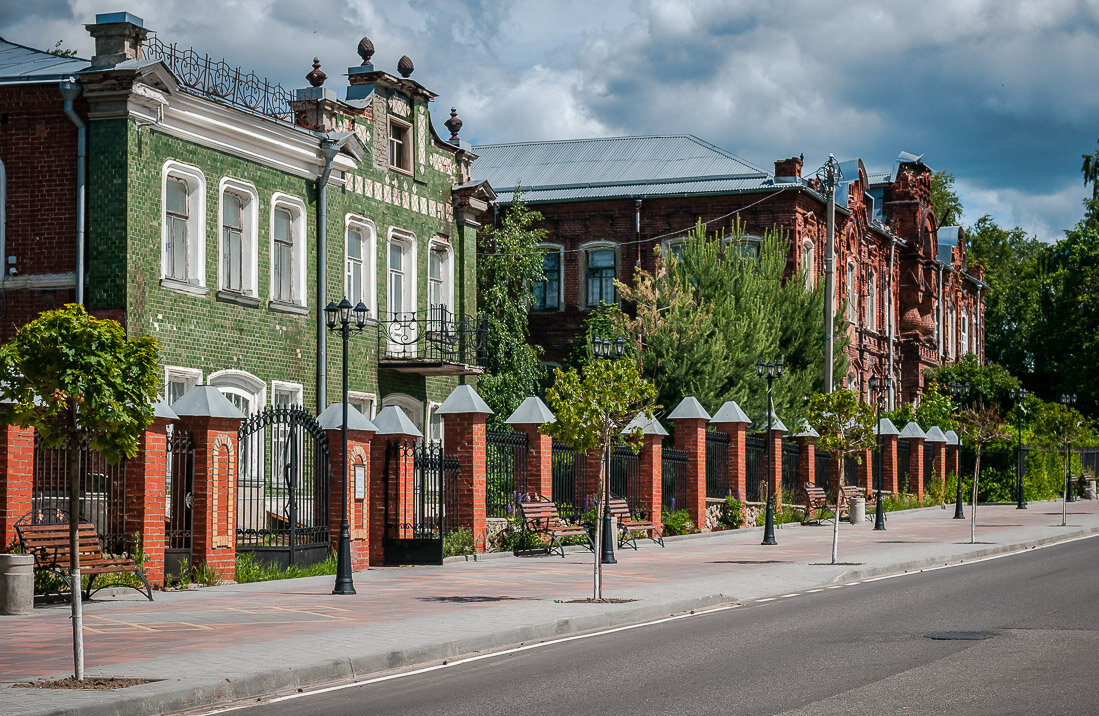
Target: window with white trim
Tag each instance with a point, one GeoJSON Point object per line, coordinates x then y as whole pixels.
{"type": "Point", "coordinates": [951, 345]}
{"type": "Point", "coordinates": [852, 294]}
{"type": "Point", "coordinates": [807, 262]}
{"type": "Point", "coordinates": [363, 402]}
{"type": "Point", "coordinates": [401, 293]}
{"type": "Point", "coordinates": [872, 302]}
{"type": "Point", "coordinates": [244, 390]}
{"type": "Point", "coordinates": [440, 275]}
{"type": "Point", "coordinates": [287, 250]}
{"type": "Point", "coordinates": [965, 334]}
{"type": "Point", "coordinates": [434, 423]}
{"type": "Point", "coordinates": [178, 380]}
{"type": "Point", "coordinates": [238, 234]}
{"type": "Point", "coordinates": [286, 395]}
{"type": "Point", "coordinates": [411, 407]}
{"type": "Point", "coordinates": [183, 226]}
{"type": "Point", "coordinates": [400, 145]}
{"type": "Point", "coordinates": [547, 291]}
{"type": "Point", "coordinates": [359, 263]}
{"type": "Point", "coordinates": [600, 270]}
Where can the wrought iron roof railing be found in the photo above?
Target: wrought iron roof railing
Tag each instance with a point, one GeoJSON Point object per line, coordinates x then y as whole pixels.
{"type": "Point", "coordinates": [441, 336]}
{"type": "Point", "coordinates": [215, 78]}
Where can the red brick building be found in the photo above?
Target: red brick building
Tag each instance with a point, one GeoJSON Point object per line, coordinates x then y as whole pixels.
{"type": "Point", "coordinates": [912, 300]}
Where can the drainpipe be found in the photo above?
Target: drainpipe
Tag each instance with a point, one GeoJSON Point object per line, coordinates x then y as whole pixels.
{"type": "Point", "coordinates": [329, 150]}
{"type": "Point", "coordinates": [892, 387]}
{"type": "Point", "coordinates": [69, 92]}
{"type": "Point", "coordinates": [942, 318]}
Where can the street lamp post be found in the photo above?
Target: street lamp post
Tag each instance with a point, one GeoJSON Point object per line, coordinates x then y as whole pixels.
{"type": "Point", "coordinates": [879, 387]}
{"type": "Point", "coordinates": [602, 349]}
{"type": "Point", "coordinates": [339, 318]}
{"type": "Point", "coordinates": [1019, 396]}
{"type": "Point", "coordinates": [769, 370]}
{"type": "Point", "coordinates": [958, 390]}
{"type": "Point", "coordinates": [1068, 399]}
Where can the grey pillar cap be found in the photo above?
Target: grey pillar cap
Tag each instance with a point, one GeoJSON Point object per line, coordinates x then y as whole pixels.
{"type": "Point", "coordinates": [531, 411]}
{"type": "Point", "coordinates": [776, 424]}
{"type": "Point", "coordinates": [934, 435]}
{"type": "Point", "coordinates": [332, 418]}
{"type": "Point", "coordinates": [393, 421]}
{"type": "Point", "coordinates": [649, 426]}
{"type": "Point", "coordinates": [952, 438]}
{"type": "Point", "coordinates": [806, 430]}
{"type": "Point", "coordinates": [463, 400]}
{"type": "Point", "coordinates": [730, 412]}
{"type": "Point", "coordinates": [886, 427]}
{"type": "Point", "coordinates": [912, 430]}
{"type": "Point", "coordinates": [162, 410]}
{"type": "Point", "coordinates": [689, 408]}
{"type": "Point", "coordinates": [206, 401]}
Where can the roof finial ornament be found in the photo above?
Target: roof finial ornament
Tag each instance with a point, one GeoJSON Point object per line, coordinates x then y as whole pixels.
{"type": "Point", "coordinates": [453, 124]}
{"type": "Point", "coordinates": [405, 66]}
{"type": "Point", "coordinates": [316, 77]}
{"type": "Point", "coordinates": [365, 50]}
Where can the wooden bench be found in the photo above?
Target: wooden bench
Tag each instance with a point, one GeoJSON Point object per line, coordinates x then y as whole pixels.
{"type": "Point", "coordinates": [816, 500]}
{"type": "Point", "coordinates": [627, 524]}
{"type": "Point", "coordinates": [49, 543]}
{"type": "Point", "coordinates": [540, 516]}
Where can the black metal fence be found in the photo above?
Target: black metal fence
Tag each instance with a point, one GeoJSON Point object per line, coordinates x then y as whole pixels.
{"type": "Point", "coordinates": [435, 483]}
{"type": "Point", "coordinates": [626, 475]}
{"type": "Point", "coordinates": [850, 471]}
{"type": "Point", "coordinates": [569, 482]}
{"type": "Point", "coordinates": [440, 336]}
{"type": "Point", "coordinates": [929, 450]}
{"type": "Point", "coordinates": [1089, 458]}
{"type": "Point", "coordinates": [822, 467]}
{"type": "Point", "coordinates": [505, 471]}
{"type": "Point", "coordinates": [102, 493]}
{"type": "Point", "coordinates": [717, 464]}
{"type": "Point", "coordinates": [755, 466]}
{"type": "Point", "coordinates": [673, 487]}
{"type": "Point", "coordinates": [791, 465]}
{"type": "Point", "coordinates": [904, 466]}
{"type": "Point", "coordinates": [179, 500]}
{"type": "Point", "coordinates": [282, 487]}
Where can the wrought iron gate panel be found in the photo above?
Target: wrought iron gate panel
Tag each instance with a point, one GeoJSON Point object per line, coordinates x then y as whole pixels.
{"type": "Point", "coordinates": [570, 470]}
{"type": "Point", "coordinates": [851, 471]}
{"type": "Point", "coordinates": [102, 493]}
{"type": "Point", "coordinates": [673, 493]}
{"type": "Point", "coordinates": [179, 500]}
{"type": "Point", "coordinates": [904, 466]}
{"type": "Point", "coordinates": [506, 471]}
{"type": "Point", "coordinates": [755, 466]}
{"type": "Point", "coordinates": [419, 512]}
{"type": "Point", "coordinates": [717, 464]}
{"type": "Point", "coordinates": [283, 487]}
{"type": "Point", "coordinates": [823, 469]}
{"type": "Point", "coordinates": [791, 471]}
{"type": "Point", "coordinates": [929, 450]}
{"type": "Point", "coordinates": [626, 475]}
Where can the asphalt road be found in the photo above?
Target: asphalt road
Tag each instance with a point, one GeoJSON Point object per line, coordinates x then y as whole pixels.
{"type": "Point", "coordinates": [855, 649]}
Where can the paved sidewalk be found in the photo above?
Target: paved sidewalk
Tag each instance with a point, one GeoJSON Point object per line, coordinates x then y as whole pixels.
{"type": "Point", "coordinates": [211, 646]}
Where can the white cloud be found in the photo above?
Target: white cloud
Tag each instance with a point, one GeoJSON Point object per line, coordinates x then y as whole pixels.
{"type": "Point", "coordinates": [1046, 216]}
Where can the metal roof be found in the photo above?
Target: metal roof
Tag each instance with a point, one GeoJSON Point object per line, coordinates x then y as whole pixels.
{"type": "Point", "coordinates": [616, 167]}
{"type": "Point", "coordinates": [18, 62]}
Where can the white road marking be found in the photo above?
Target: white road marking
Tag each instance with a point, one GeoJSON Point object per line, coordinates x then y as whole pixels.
{"type": "Point", "coordinates": [787, 596]}
{"type": "Point", "coordinates": [768, 599]}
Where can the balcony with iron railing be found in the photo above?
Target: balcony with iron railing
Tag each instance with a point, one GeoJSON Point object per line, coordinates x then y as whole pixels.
{"type": "Point", "coordinates": [438, 343]}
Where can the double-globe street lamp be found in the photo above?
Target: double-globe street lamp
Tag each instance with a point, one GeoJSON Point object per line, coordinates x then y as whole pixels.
{"type": "Point", "coordinates": [769, 370]}
{"type": "Point", "coordinates": [879, 387]}
{"type": "Point", "coordinates": [1068, 399]}
{"type": "Point", "coordinates": [339, 319]}
{"type": "Point", "coordinates": [604, 349]}
{"type": "Point", "coordinates": [958, 390]}
{"type": "Point", "coordinates": [1019, 396]}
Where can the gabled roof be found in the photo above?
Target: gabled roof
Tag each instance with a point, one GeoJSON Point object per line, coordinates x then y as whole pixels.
{"type": "Point", "coordinates": [616, 166]}
{"type": "Point", "coordinates": [18, 62]}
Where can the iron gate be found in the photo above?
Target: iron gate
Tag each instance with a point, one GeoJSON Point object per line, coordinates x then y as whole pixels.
{"type": "Point", "coordinates": [419, 512]}
{"type": "Point", "coordinates": [282, 487]}
{"type": "Point", "coordinates": [505, 471]}
{"type": "Point", "coordinates": [904, 466]}
{"type": "Point", "coordinates": [717, 465]}
{"type": "Point", "coordinates": [179, 501]}
{"type": "Point", "coordinates": [626, 476]}
{"type": "Point", "coordinates": [673, 488]}
{"type": "Point", "coordinates": [755, 467]}
{"type": "Point", "coordinates": [570, 479]}
{"type": "Point", "coordinates": [791, 471]}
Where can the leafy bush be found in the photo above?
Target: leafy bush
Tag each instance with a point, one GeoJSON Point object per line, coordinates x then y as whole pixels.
{"type": "Point", "coordinates": [515, 539]}
{"type": "Point", "coordinates": [678, 523]}
{"type": "Point", "coordinates": [459, 542]}
{"type": "Point", "coordinates": [730, 517]}
{"type": "Point", "coordinates": [249, 570]}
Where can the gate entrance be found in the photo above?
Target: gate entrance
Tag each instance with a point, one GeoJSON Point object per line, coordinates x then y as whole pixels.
{"type": "Point", "coordinates": [282, 487]}
{"type": "Point", "coordinates": [179, 501]}
{"type": "Point", "coordinates": [421, 511]}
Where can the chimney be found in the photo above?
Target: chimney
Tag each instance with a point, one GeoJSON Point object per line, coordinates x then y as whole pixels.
{"type": "Point", "coordinates": [118, 37]}
{"type": "Point", "coordinates": [788, 167]}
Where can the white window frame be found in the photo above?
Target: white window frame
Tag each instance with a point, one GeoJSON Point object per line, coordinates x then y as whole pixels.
{"type": "Point", "coordinates": [249, 239]}
{"type": "Point", "coordinates": [295, 390]}
{"type": "Point", "coordinates": [240, 383]}
{"type": "Point", "coordinates": [872, 301]}
{"type": "Point", "coordinates": [189, 377]}
{"type": "Point", "coordinates": [405, 332]}
{"type": "Point", "coordinates": [808, 261]}
{"type": "Point", "coordinates": [195, 181]}
{"type": "Point", "coordinates": [368, 267]}
{"type": "Point", "coordinates": [852, 294]}
{"type": "Point", "coordinates": [965, 334]}
{"type": "Point", "coordinates": [953, 336]}
{"type": "Point", "coordinates": [407, 149]}
{"type": "Point", "coordinates": [585, 250]}
{"type": "Point", "coordinates": [439, 247]}
{"type": "Point", "coordinates": [435, 427]}
{"type": "Point", "coordinates": [296, 208]}
{"type": "Point", "coordinates": [412, 407]}
{"type": "Point", "coordinates": [560, 251]}
{"type": "Point", "coordinates": [359, 399]}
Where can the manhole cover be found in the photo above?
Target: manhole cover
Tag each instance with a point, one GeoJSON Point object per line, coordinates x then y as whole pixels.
{"type": "Point", "coordinates": [959, 635]}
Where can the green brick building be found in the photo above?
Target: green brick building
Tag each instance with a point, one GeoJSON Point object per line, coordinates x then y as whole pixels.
{"type": "Point", "coordinates": [223, 214]}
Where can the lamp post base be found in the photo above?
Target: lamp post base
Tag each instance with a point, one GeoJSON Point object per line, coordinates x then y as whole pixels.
{"type": "Point", "coordinates": [344, 582]}
{"type": "Point", "coordinates": [769, 524]}
{"type": "Point", "coordinates": [608, 539]}
{"type": "Point", "coordinates": [958, 514]}
{"type": "Point", "coordinates": [879, 514]}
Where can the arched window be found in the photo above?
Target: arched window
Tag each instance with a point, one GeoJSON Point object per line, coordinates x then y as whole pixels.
{"type": "Point", "coordinates": [244, 390]}
{"type": "Point", "coordinates": [808, 262]}
{"type": "Point", "coordinates": [287, 250]}
{"type": "Point", "coordinates": [872, 302]}
{"type": "Point", "coordinates": [410, 406]}
{"type": "Point", "coordinates": [238, 234]}
{"type": "Point", "coordinates": [547, 292]}
{"type": "Point", "coordinates": [852, 293]}
{"type": "Point", "coordinates": [360, 261]}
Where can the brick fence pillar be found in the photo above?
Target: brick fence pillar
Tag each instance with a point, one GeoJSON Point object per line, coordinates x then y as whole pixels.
{"type": "Point", "coordinates": [528, 419]}
{"type": "Point", "coordinates": [690, 436]}
{"type": "Point", "coordinates": [213, 423]}
{"type": "Point", "coordinates": [16, 478]}
{"type": "Point", "coordinates": [774, 445]}
{"type": "Point", "coordinates": [807, 465]}
{"type": "Point", "coordinates": [464, 416]}
{"type": "Point", "coordinates": [360, 433]}
{"type": "Point", "coordinates": [732, 421]}
{"type": "Point", "coordinates": [390, 488]}
{"type": "Point", "coordinates": [866, 471]}
{"type": "Point", "coordinates": [887, 434]}
{"type": "Point", "coordinates": [953, 453]}
{"type": "Point", "coordinates": [651, 488]}
{"type": "Point", "coordinates": [936, 440]}
{"type": "Point", "coordinates": [146, 480]}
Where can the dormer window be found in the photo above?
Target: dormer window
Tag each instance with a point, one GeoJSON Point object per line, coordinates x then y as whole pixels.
{"type": "Point", "coordinates": [400, 145]}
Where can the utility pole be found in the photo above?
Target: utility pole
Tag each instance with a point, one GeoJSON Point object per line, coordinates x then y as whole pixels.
{"type": "Point", "coordinates": [829, 270]}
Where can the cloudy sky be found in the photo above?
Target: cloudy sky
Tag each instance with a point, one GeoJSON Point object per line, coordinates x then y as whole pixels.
{"type": "Point", "coordinates": [1004, 94]}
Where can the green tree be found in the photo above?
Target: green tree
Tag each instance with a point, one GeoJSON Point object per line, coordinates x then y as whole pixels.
{"type": "Point", "coordinates": [593, 406]}
{"type": "Point", "coordinates": [846, 427]}
{"type": "Point", "coordinates": [979, 425]}
{"type": "Point", "coordinates": [935, 408]}
{"type": "Point", "coordinates": [509, 263]}
{"type": "Point", "coordinates": [989, 383]}
{"type": "Point", "coordinates": [1058, 427]}
{"type": "Point", "coordinates": [78, 381]}
{"type": "Point", "coordinates": [1090, 170]}
{"type": "Point", "coordinates": [944, 200]}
